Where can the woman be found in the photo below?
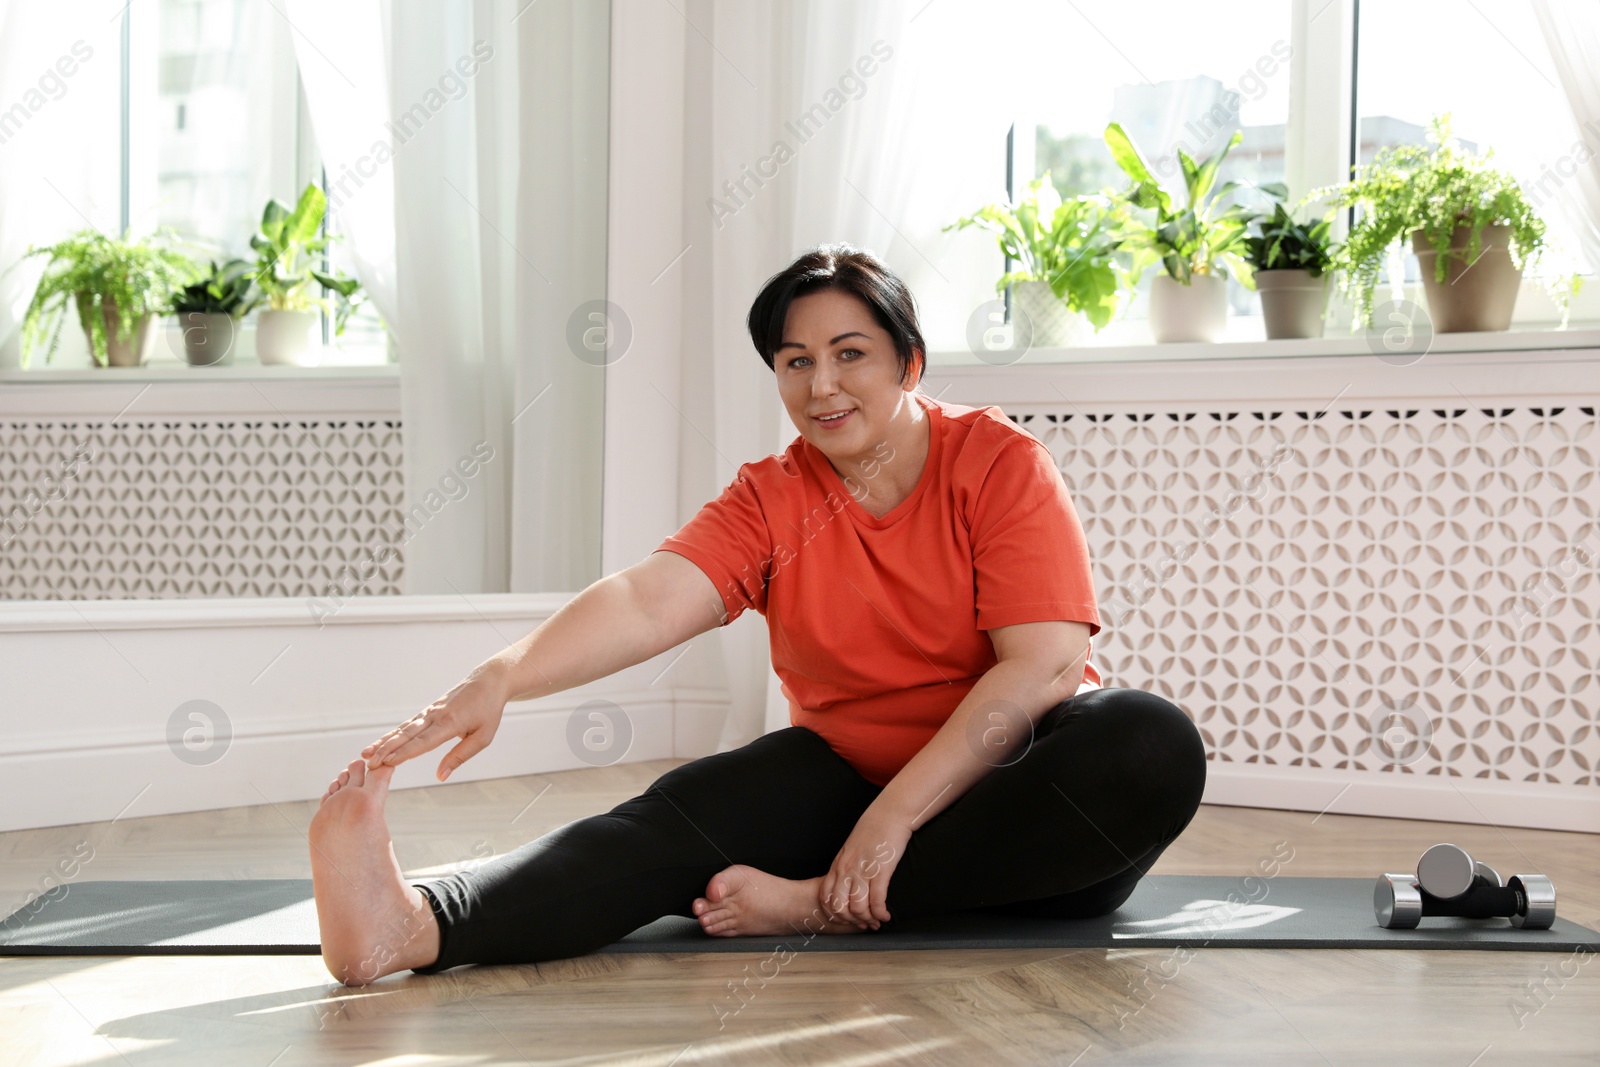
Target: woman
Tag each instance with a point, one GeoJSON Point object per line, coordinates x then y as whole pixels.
{"type": "Point", "coordinates": [927, 587]}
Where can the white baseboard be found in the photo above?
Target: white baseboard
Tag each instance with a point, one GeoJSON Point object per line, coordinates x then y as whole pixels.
{"type": "Point", "coordinates": [1534, 805]}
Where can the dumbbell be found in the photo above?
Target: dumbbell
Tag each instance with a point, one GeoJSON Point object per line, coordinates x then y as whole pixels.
{"type": "Point", "coordinates": [1447, 872]}
{"type": "Point", "coordinates": [1449, 882]}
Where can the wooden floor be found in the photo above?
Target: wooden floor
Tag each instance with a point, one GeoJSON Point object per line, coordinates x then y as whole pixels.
{"type": "Point", "coordinates": [852, 1009]}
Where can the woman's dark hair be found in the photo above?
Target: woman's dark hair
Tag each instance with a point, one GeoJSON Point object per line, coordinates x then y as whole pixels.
{"type": "Point", "coordinates": [853, 270]}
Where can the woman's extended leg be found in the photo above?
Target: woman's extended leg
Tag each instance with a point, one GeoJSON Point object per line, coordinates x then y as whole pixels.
{"type": "Point", "coordinates": [1112, 777]}
{"type": "Point", "coordinates": [783, 804]}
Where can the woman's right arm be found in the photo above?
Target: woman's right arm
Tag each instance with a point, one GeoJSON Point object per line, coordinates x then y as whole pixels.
{"type": "Point", "coordinates": [623, 619]}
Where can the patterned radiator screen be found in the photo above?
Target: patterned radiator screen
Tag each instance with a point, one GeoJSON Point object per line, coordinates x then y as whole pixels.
{"type": "Point", "coordinates": [94, 509]}
{"type": "Point", "coordinates": [1410, 590]}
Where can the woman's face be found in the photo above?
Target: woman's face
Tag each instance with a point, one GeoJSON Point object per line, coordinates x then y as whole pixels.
{"type": "Point", "coordinates": [836, 358]}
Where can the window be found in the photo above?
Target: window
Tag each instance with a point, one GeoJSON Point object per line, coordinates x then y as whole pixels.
{"type": "Point", "coordinates": [1501, 91]}
{"type": "Point", "coordinates": [1290, 76]}
{"type": "Point", "coordinates": [214, 123]}
{"type": "Point", "coordinates": [1170, 91]}
{"type": "Point", "coordinates": [213, 114]}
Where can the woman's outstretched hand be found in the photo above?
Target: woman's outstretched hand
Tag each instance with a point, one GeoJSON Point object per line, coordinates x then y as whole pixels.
{"type": "Point", "coordinates": [857, 885]}
{"type": "Point", "coordinates": [470, 711]}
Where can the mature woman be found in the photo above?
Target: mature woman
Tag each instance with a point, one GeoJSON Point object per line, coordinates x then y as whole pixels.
{"type": "Point", "coordinates": [927, 586]}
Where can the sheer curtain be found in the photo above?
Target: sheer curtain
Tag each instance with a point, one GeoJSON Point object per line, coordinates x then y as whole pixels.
{"type": "Point", "coordinates": [1572, 32]}
{"type": "Point", "coordinates": [458, 142]}
{"type": "Point", "coordinates": [339, 49]}
{"type": "Point", "coordinates": [880, 147]}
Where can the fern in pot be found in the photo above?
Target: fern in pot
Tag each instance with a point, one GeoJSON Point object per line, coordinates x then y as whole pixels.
{"type": "Point", "coordinates": [1292, 261]}
{"type": "Point", "coordinates": [1066, 251]}
{"type": "Point", "coordinates": [1471, 226]}
{"type": "Point", "coordinates": [119, 287]}
{"type": "Point", "coordinates": [209, 310]}
{"type": "Point", "coordinates": [289, 328]}
{"type": "Point", "coordinates": [1198, 245]}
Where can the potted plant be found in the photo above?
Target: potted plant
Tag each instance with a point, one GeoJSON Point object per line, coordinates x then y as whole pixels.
{"type": "Point", "coordinates": [209, 310]}
{"type": "Point", "coordinates": [1065, 248]}
{"type": "Point", "coordinates": [289, 329]}
{"type": "Point", "coordinates": [118, 286]}
{"type": "Point", "coordinates": [1197, 245]}
{"type": "Point", "coordinates": [1472, 228]}
{"type": "Point", "coordinates": [1291, 261]}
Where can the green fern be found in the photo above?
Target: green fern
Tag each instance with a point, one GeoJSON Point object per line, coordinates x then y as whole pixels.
{"type": "Point", "coordinates": [1434, 189]}
{"type": "Point", "coordinates": [89, 268]}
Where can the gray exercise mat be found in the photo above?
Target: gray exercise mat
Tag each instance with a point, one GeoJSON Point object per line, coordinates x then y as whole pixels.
{"type": "Point", "coordinates": [278, 917]}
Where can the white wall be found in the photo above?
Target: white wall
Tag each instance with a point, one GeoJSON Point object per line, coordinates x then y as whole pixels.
{"type": "Point", "coordinates": [92, 691]}
{"type": "Point", "coordinates": [662, 421]}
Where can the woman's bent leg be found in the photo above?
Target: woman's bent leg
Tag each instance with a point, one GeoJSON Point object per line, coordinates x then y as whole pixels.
{"type": "Point", "coordinates": [1112, 777]}
{"type": "Point", "coordinates": [785, 803]}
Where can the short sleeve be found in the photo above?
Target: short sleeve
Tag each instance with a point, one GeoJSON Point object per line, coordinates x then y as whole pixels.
{"type": "Point", "coordinates": [729, 540]}
{"type": "Point", "coordinates": [1029, 555]}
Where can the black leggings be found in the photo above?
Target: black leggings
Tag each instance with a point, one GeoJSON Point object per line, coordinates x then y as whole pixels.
{"type": "Point", "coordinates": [1113, 776]}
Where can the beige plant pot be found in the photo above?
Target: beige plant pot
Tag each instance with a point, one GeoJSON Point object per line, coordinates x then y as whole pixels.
{"type": "Point", "coordinates": [288, 338]}
{"type": "Point", "coordinates": [1475, 295]}
{"type": "Point", "coordinates": [209, 337]}
{"type": "Point", "coordinates": [1292, 302]}
{"type": "Point", "coordinates": [1054, 324]}
{"type": "Point", "coordinates": [1194, 312]}
{"type": "Point", "coordinates": [132, 351]}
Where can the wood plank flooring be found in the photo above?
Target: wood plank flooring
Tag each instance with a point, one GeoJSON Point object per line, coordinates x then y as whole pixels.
{"type": "Point", "coordinates": [1161, 1006]}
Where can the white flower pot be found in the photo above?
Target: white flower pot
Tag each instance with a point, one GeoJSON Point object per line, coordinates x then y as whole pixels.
{"type": "Point", "coordinates": [1194, 312]}
{"type": "Point", "coordinates": [1053, 324]}
{"type": "Point", "coordinates": [289, 338]}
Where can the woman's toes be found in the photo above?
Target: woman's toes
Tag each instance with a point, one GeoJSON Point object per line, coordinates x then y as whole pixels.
{"type": "Point", "coordinates": [355, 774]}
{"type": "Point", "coordinates": [716, 922]}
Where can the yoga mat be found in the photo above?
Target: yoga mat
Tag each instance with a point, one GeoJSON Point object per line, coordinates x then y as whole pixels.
{"type": "Point", "coordinates": [278, 917]}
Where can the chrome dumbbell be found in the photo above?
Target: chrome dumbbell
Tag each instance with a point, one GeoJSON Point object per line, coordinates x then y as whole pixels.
{"type": "Point", "coordinates": [1447, 872]}
{"type": "Point", "coordinates": [1449, 882]}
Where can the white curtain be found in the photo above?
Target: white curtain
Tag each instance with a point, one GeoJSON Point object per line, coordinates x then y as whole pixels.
{"type": "Point", "coordinates": [496, 204]}
{"type": "Point", "coordinates": [898, 149]}
{"type": "Point", "coordinates": [339, 49]}
{"type": "Point", "coordinates": [1572, 32]}
{"type": "Point", "coordinates": [462, 144]}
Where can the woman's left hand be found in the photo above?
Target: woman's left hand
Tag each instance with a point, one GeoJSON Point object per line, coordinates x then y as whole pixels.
{"type": "Point", "coordinates": [857, 885]}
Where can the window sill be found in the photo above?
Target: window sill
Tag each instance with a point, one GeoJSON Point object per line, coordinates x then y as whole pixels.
{"type": "Point", "coordinates": [182, 372]}
{"type": "Point", "coordinates": [247, 390]}
{"type": "Point", "coordinates": [1586, 336]}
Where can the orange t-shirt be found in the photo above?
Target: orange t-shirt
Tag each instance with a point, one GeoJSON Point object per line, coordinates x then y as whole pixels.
{"type": "Point", "coordinates": [877, 624]}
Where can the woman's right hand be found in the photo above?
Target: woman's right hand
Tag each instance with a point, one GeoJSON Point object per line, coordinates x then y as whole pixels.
{"type": "Point", "coordinates": [470, 711]}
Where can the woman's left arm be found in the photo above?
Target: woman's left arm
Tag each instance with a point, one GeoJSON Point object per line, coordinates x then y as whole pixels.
{"type": "Point", "coordinates": [1039, 664]}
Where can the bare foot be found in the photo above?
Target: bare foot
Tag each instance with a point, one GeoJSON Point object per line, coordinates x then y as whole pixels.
{"type": "Point", "coordinates": [741, 900]}
{"type": "Point", "coordinates": [373, 923]}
